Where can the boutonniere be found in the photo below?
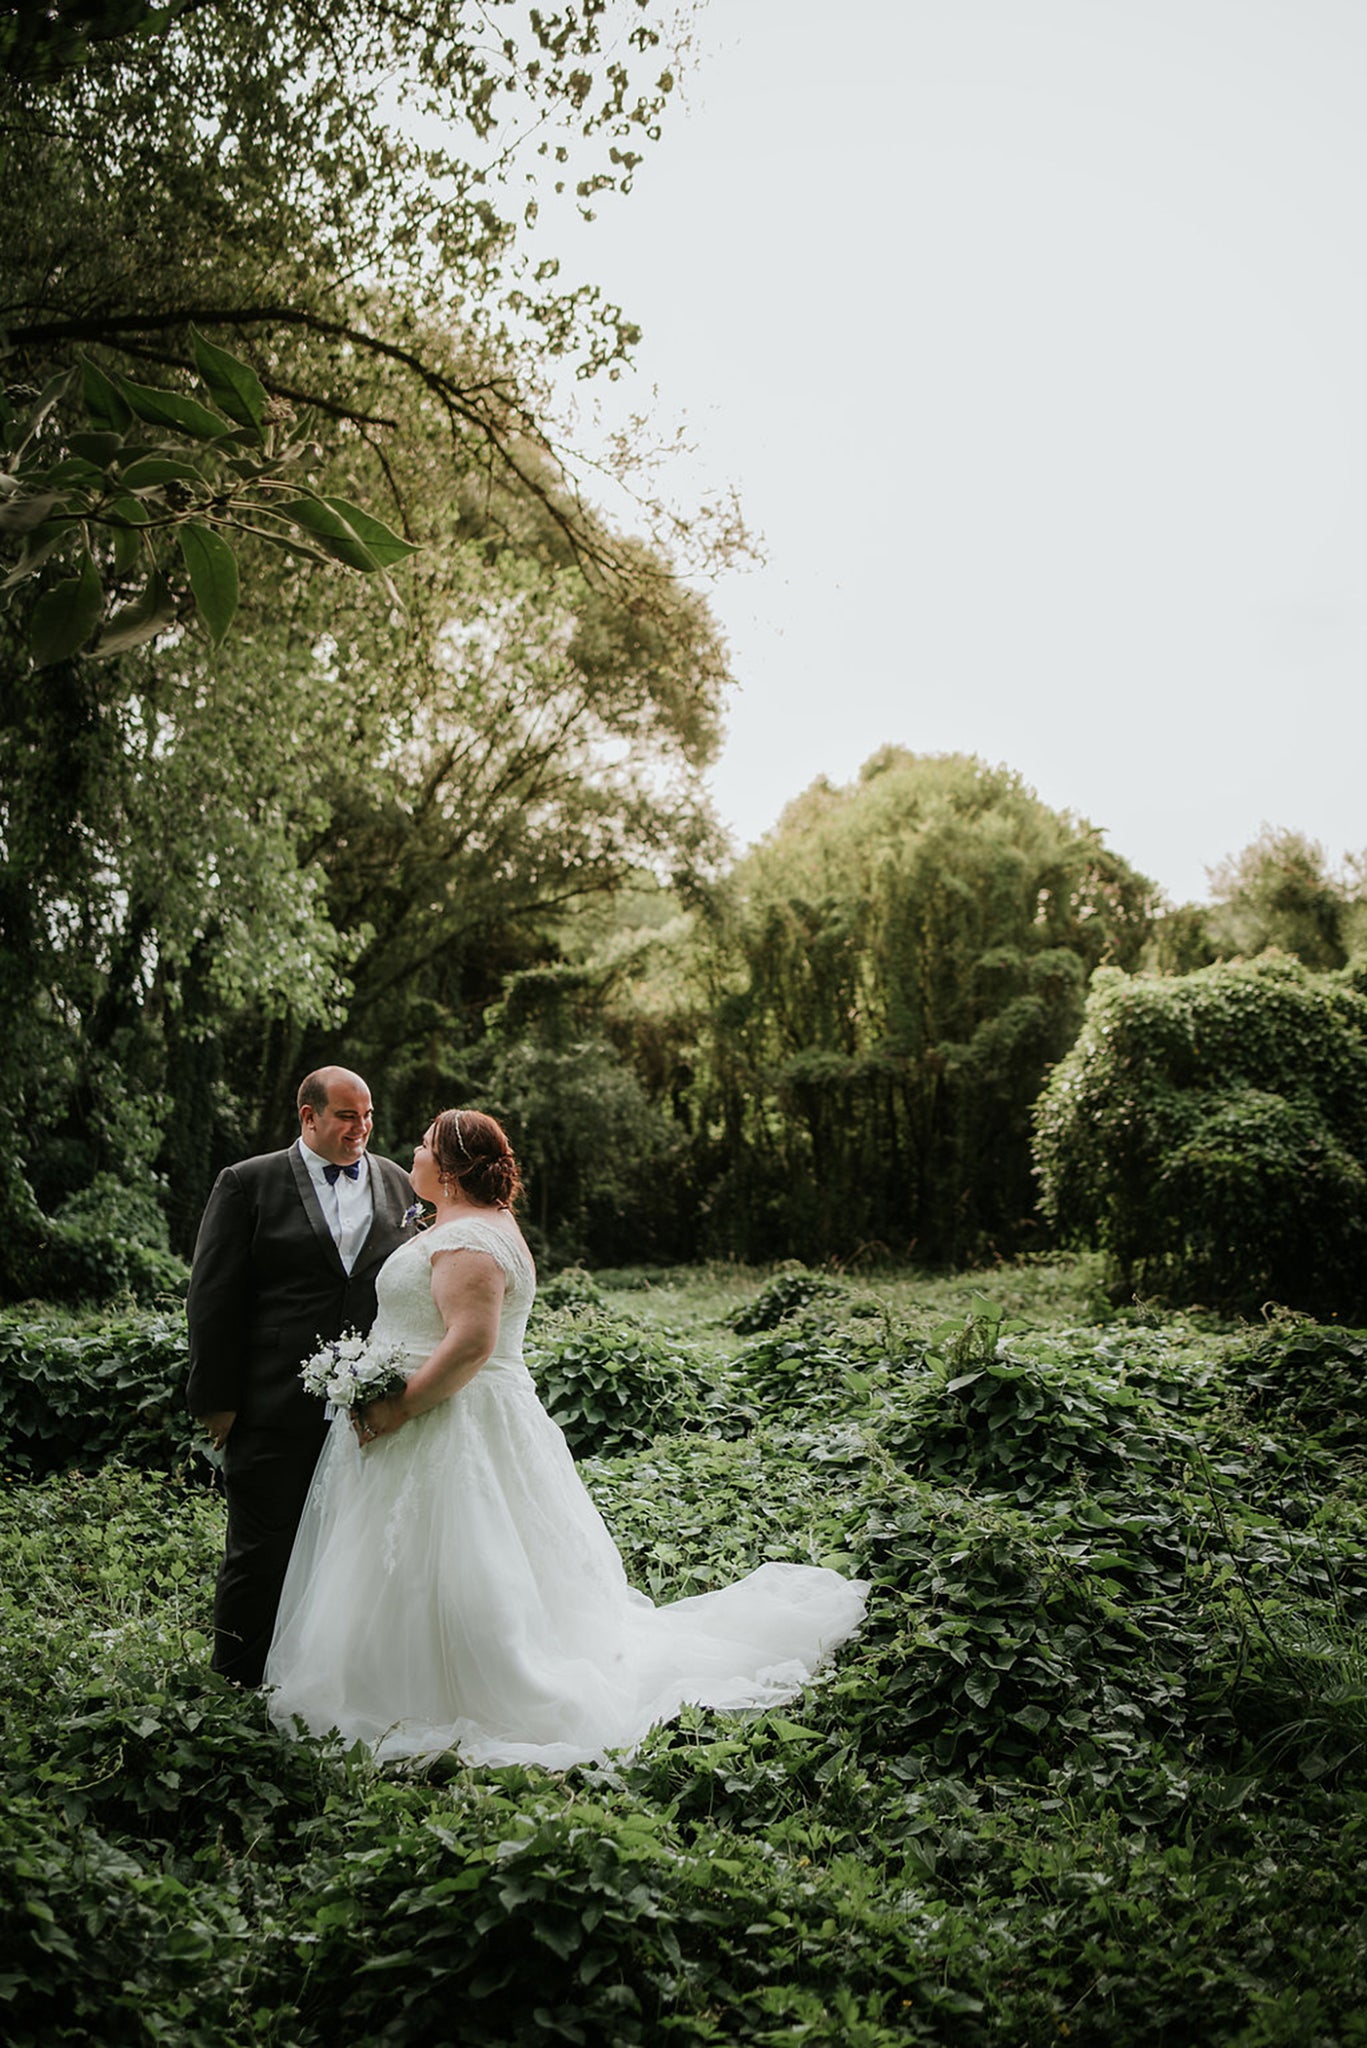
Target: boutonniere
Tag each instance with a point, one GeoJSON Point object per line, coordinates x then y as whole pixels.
{"type": "Point", "coordinates": [416, 1215]}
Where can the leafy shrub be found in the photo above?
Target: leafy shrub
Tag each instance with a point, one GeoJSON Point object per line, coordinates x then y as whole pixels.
{"type": "Point", "coordinates": [171, 1752]}
{"type": "Point", "coordinates": [572, 1288]}
{"type": "Point", "coordinates": [610, 1387]}
{"type": "Point", "coordinates": [1312, 1382]}
{"type": "Point", "coordinates": [109, 1239]}
{"type": "Point", "coordinates": [802, 1369]}
{"type": "Point", "coordinates": [96, 1940]}
{"type": "Point", "coordinates": [1028, 1427]}
{"type": "Point", "coordinates": [567, 1921]}
{"type": "Point", "coordinates": [1051, 1604]}
{"type": "Point", "coordinates": [79, 1265]}
{"type": "Point", "coordinates": [76, 1396]}
{"type": "Point", "coordinates": [1004, 1640]}
{"type": "Point", "coordinates": [781, 1298]}
{"type": "Point", "coordinates": [1210, 1133]}
{"type": "Point", "coordinates": [696, 1511]}
{"type": "Point", "coordinates": [117, 1208]}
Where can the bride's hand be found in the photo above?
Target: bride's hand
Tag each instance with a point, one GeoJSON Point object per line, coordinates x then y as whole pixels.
{"type": "Point", "coordinates": [380, 1418]}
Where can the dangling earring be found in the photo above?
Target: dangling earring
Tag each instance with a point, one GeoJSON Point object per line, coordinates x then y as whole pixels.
{"type": "Point", "coordinates": [448, 1185]}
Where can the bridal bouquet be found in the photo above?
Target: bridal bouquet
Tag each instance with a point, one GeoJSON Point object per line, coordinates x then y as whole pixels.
{"type": "Point", "coordinates": [350, 1372]}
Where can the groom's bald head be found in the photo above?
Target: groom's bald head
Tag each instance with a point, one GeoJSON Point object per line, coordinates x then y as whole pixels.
{"type": "Point", "coordinates": [316, 1088]}
{"type": "Point", "coordinates": [335, 1114]}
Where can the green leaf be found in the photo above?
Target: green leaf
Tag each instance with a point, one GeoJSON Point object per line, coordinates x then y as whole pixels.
{"type": "Point", "coordinates": [74, 469]}
{"type": "Point", "coordinates": [234, 387]}
{"type": "Point", "coordinates": [22, 515]}
{"type": "Point", "coordinates": [384, 545]}
{"type": "Point", "coordinates": [148, 615]}
{"type": "Point", "coordinates": [99, 448]}
{"type": "Point", "coordinates": [125, 517]}
{"type": "Point", "coordinates": [333, 531]}
{"type": "Point", "coordinates": [65, 616]}
{"type": "Point", "coordinates": [212, 567]}
{"type": "Point", "coordinates": [1033, 1718]}
{"type": "Point", "coordinates": [151, 470]}
{"type": "Point", "coordinates": [160, 408]}
{"type": "Point", "coordinates": [38, 545]}
{"type": "Point", "coordinates": [22, 429]}
{"type": "Point", "coordinates": [102, 399]}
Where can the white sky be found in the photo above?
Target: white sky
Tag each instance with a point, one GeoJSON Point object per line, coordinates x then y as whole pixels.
{"type": "Point", "coordinates": [1033, 337]}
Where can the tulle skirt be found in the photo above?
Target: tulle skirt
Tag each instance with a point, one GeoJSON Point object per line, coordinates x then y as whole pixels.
{"type": "Point", "coordinates": [453, 1587]}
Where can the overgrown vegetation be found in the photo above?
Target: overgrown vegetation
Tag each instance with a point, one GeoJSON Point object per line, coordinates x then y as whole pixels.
{"type": "Point", "coordinates": [1209, 1131]}
{"type": "Point", "coordinates": [1095, 1771]}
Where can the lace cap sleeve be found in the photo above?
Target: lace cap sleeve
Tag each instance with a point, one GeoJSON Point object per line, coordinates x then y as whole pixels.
{"type": "Point", "coordinates": [469, 1234]}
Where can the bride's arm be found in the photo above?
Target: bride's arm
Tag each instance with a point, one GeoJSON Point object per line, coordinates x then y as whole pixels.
{"type": "Point", "coordinates": [467, 1287]}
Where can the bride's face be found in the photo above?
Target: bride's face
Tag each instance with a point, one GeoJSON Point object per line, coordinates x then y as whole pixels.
{"type": "Point", "coordinates": [424, 1176]}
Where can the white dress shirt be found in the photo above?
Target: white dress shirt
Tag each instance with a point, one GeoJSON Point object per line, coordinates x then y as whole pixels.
{"type": "Point", "coordinates": [348, 1205]}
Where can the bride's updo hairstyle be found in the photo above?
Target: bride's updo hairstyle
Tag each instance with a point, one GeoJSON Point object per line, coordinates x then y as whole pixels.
{"type": "Point", "coordinates": [473, 1151]}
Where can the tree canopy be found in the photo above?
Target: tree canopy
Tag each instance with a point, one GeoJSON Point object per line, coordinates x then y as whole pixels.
{"type": "Point", "coordinates": [878, 990]}
{"type": "Point", "coordinates": [346, 194]}
{"type": "Point", "coordinates": [347, 820]}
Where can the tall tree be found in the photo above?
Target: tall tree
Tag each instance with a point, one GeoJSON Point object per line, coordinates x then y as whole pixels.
{"type": "Point", "coordinates": [338, 809]}
{"type": "Point", "coordinates": [892, 972]}
{"type": "Point", "coordinates": [1279, 893]}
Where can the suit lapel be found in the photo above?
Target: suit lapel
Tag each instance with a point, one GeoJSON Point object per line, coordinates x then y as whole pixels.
{"type": "Point", "coordinates": [313, 1209]}
{"type": "Point", "coordinates": [385, 1213]}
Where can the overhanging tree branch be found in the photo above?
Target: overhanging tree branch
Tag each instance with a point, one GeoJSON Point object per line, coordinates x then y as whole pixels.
{"type": "Point", "coordinates": [475, 405]}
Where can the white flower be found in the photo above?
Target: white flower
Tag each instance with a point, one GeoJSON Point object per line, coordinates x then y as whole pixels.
{"type": "Point", "coordinates": [347, 1372]}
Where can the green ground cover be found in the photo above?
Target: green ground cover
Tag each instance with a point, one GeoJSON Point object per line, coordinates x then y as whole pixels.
{"type": "Point", "coordinates": [1093, 1773]}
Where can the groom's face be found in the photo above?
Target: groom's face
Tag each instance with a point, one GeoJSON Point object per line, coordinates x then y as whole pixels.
{"type": "Point", "coordinates": [341, 1132]}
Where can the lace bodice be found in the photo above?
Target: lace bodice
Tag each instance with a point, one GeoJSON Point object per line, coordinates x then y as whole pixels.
{"type": "Point", "coordinates": [409, 1317]}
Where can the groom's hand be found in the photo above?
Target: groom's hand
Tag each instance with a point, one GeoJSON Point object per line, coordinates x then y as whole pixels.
{"type": "Point", "coordinates": [218, 1425]}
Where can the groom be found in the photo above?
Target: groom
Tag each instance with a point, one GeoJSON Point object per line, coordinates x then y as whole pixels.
{"type": "Point", "coordinates": [287, 1253]}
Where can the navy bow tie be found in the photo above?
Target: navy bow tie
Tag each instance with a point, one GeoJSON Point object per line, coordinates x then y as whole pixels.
{"type": "Point", "coordinates": [352, 1172]}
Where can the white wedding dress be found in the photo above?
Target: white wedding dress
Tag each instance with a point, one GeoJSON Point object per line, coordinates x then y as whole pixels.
{"type": "Point", "coordinates": [453, 1586]}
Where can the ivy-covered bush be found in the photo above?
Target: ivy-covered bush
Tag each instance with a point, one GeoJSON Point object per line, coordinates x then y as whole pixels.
{"type": "Point", "coordinates": [783, 1296]}
{"type": "Point", "coordinates": [610, 1386]}
{"type": "Point", "coordinates": [803, 1369]}
{"type": "Point", "coordinates": [1311, 1382]}
{"type": "Point", "coordinates": [572, 1288]}
{"type": "Point", "coordinates": [994, 1638]}
{"type": "Point", "coordinates": [75, 1395]}
{"type": "Point", "coordinates": [110, 1239]}
{"type": "Point", "coordinates": [1209, 1132]}
{"type": "Point", "coordinates": [999, 1417]}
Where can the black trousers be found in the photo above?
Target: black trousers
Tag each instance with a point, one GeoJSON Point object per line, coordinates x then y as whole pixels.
{"type": "Point", "coordinates": [266, 1474]}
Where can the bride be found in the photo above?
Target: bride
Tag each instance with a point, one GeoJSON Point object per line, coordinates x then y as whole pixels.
{"type": "Point", "coordinates": [452, 1586]}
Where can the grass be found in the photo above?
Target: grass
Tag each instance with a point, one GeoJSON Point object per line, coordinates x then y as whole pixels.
{"type": "Point", "coordinates": [1045, 1290]}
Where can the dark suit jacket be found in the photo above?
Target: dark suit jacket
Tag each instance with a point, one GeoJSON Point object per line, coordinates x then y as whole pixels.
{"type": "Point", "coordinates": [268, 1283]}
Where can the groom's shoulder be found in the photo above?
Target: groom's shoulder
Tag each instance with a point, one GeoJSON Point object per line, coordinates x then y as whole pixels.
{"type": "Point", "coordinates": [260, 1167]}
